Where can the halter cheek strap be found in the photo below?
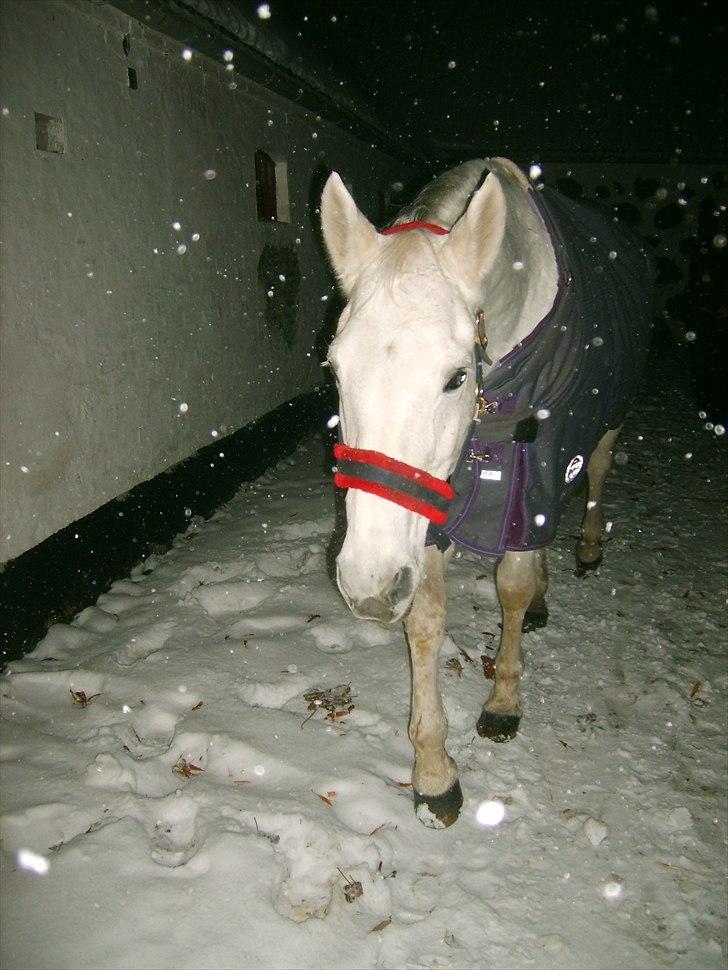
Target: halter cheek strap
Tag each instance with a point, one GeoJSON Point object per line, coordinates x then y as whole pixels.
{"type": "Point", "coordinates": [405, 485]}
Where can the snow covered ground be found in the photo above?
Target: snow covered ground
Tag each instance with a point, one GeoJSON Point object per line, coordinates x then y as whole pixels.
{"type": "Point", "coordinates": [170, 799]}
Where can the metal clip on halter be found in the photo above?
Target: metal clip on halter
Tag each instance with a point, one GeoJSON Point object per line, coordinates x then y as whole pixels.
{"type": "Point", "coordinates": [485, 407]}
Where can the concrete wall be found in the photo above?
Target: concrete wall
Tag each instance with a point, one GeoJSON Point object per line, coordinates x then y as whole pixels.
{"type": "Point", "coordinates": [126, 342]}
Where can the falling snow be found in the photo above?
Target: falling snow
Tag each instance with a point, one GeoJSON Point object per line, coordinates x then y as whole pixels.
{"type": "Point", "coordinates": [170, 800]}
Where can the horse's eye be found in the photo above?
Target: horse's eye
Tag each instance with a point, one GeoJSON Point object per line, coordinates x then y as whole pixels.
{"type": "Point", "coordinates": [457, 380]}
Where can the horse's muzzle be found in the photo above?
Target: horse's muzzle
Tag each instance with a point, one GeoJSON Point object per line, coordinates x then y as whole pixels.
{"type": "Point", "coordinates": [387, 606]}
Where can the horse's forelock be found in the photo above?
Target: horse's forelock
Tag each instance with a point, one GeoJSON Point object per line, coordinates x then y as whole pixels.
{"type": "Point", "coordinates": [404, 257]}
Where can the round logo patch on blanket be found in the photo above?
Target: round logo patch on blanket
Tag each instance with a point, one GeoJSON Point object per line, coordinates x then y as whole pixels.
{"type": "Point", "coordinates": [573, 468]}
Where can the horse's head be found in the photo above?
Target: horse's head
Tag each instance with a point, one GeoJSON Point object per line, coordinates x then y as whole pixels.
{"type": "Point", "coordinates": [404, 364]}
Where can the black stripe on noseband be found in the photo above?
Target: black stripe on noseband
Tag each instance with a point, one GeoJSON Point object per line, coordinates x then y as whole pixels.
{"type": "Point", "coordinates": [398, 483]}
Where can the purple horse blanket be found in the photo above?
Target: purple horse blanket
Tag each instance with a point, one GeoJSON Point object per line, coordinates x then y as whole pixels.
{"type": "Point", "coordinates": [555, 394]}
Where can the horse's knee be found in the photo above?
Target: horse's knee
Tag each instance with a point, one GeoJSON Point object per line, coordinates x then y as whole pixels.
{"type": "Point", "coordinates": [517, 581]}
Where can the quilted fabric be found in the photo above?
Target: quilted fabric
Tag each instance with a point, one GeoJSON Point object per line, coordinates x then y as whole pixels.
{"type": "Point", "coordinates": [558, 391]}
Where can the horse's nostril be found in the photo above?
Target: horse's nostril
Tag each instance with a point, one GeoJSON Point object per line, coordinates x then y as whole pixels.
{"type": "Point", "coordinates": [402, 586]}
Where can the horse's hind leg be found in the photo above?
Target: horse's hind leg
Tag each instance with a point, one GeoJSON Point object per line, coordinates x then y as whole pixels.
{"type": "Point", "coordinates": [520, 581]}
{"type": "Point", "coordinates": [589, 548]}
{"type": "Point", "coordinates": [537, 612]}
{"type": "Point", "coordinates": [435, 777]}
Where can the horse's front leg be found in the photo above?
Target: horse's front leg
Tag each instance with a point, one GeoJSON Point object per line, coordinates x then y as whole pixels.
{"type": "Point", "coordinates": [521, 584]}
{"type": "Point", "coordinates": [437, 792]}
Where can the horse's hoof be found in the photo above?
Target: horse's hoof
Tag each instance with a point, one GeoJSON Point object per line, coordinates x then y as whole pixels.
{"type": "Point", "coordinates": [498, 727]}
{"type": "Point", "coordinates": [534, 620]}
{"type": "Point", "coordinates": [584, 568]}
{"type": "Point", "coordinates": [439, 811]}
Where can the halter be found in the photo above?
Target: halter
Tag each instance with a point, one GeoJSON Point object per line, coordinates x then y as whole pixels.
{"type": "Point", "coordinates": [377, 473]}
{"type": "Point", "coordinates": [416, 224]}
{"type": "Point", "coordinates": [405, 485]}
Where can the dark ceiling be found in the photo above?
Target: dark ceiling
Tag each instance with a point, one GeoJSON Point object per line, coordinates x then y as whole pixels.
{"type": "Point", "coordinates": [547, 80]}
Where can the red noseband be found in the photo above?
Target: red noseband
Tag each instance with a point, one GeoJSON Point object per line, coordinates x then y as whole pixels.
{"type": "Point", "coordinates": [405, 485]}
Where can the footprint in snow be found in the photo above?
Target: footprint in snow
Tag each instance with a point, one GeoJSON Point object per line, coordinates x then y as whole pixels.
{"type": "Point", "coordinates": [124, 595]}
{"type": "Point", "coordinates": [229, 597]}
{"type": "Point", "coordinates": [341, 637]}
{"type": "Point", "coordinates": [206, 574]}
{"type": "Point", "coordinates": [176, 834]}
{"type": "Point", "coordinates": [293, 562]}
{"type": "Point", "coordinates": [152, 778]}
{"type": "Point", "coordinates": [40, 827]}
{"type": "Point", "coordinates": [48, 689]}
{"type": "Point", "coordinates": [276, 695]}
{"type": "Point", "coordinates": [312, 855]}
{"type": "Point", "coordinates": [145, 643]}
{"type": "Point", "coordinates": [95, 620]}
{"type": "Point", "coordinates": [305, 530]}
{"type": "Point", "coordinates": [62, 641]}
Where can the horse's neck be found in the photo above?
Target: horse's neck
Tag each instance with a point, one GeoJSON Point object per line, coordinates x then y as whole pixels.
{"type": "Point", "coordinates": [521, 286]}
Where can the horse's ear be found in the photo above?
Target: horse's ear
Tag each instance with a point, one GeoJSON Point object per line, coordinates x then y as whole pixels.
{"type": "Point", "coordinates": [351, 240]}
{"type": "Point", "coordinates": [476, 237]}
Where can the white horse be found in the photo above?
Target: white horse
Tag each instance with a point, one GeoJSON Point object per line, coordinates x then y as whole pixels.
{"type": "Point", "coordinates": [471, 262]}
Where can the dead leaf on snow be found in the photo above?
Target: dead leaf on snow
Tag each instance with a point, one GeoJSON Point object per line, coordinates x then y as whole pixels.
{"type": "Point", "coordinates": [336, 701]}
{"type": "Point", "coordinates": [353, 889]}
{"type": "Point", "coordinates": [186, 769]}
{"type": "Point", "coordinates": [81, 698]}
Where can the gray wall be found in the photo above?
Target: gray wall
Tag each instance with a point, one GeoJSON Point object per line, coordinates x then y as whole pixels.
{"type": "Point", "coordinates": [106, 328]}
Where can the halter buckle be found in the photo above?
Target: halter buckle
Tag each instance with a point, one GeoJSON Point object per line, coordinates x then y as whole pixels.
{"type": "Point", "coordinates": [485, 406]}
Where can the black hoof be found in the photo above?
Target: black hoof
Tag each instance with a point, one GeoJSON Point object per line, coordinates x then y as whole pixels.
{"type": "Point", "coordinates": [584, 568]}
{"type": "Point", "coordinates": [534, 620]}
{"type": "Point", "coordinates": [439, 811]}
{"type": "Point", "coordinates": [498, 727]}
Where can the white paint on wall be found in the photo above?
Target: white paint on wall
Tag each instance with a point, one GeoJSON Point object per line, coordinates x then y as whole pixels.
{"type": "Point", "coordinates": [129, 274]}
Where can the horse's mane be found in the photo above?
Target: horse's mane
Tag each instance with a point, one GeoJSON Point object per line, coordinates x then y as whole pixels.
{"type": "Point", "coordinates": [517, 301]}
{"type": "Point", "coordinates": [442, 201]}
{"type": "Point", "coordinates": [445, 199]}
